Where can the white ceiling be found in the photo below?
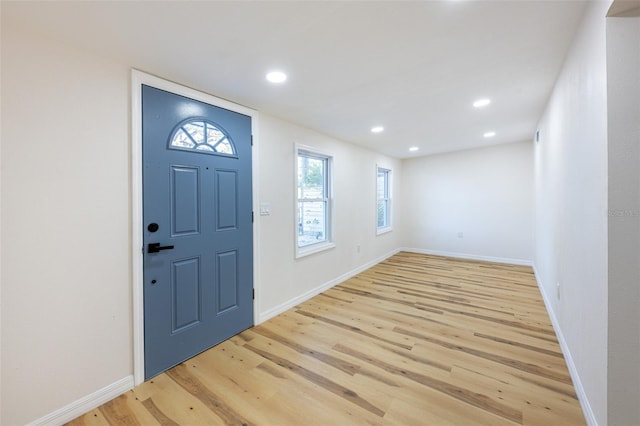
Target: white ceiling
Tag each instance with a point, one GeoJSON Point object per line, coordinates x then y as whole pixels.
{"type": "Point", "coordinates": [413, 67]}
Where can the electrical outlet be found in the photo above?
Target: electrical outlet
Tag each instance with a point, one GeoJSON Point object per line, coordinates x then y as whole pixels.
{"type": "Point", "coordinates": [460, 234]}
{"type": "Point", "coordinates": [558, 290]}
{"type": "Point", "coordinates": [358, 248]}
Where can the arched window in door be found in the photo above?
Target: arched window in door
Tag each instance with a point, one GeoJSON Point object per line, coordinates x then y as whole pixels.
{"type": "Point", "coordinates": [201, 136]}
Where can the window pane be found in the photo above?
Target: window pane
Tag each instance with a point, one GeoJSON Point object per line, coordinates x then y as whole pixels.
{"type": "Point", "coordinates": [214, 135]}
{"type": "Point", "coordinates": [201, 136]}
{"type": "Point", "coordinates": [311, 177]}
{"type": "Point", "coordinates": [312, 220]}
{"type": "Point", "coordinates": [224, 147]}
{"type": "Point", "coordinates": [382, 214]}
{"type": "Point", "coordinates": [196, 130]}
{"type": "Point", "coordinates": [181, 140]}
{"type": "Point", "coordinates": [382, 185]}
{"type": "Point", "coordinates": [313, 202]}
{"type": "Point", "coordinates": [382, 194]}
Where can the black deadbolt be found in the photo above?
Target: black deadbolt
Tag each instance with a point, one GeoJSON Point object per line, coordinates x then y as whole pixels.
{"type": "Point", "coordinates": [153, 227]}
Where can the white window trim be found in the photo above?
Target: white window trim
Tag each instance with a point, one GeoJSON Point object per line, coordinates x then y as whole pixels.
{"type": "Point", "coordinates": [389, 227]}
{"type": "Point", "coordinates": [329, 243]}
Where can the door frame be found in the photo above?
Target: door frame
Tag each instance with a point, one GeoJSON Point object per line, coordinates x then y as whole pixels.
{"type": "Point", "coordinates": [138, 78]}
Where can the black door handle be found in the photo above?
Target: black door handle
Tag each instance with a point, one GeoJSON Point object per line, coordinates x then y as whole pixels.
{"type": "Point", "coordinates": [155, 248]}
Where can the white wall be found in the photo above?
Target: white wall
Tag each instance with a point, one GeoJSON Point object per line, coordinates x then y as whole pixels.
{"type": "Point", "coordinates": [486, 193]}
{"type": "Point", "coordinates": [66, 223]}
{"type": "Point", "coordinates": [283, 277]}
{"type": "Point", "coordinates": [623, 76]}
{"type": "Point", "coordinates": [571, 210]}
{"type": "Point", "coordinates": [0, 230]}
{"type": "Point", "coordinates": [66, 330]}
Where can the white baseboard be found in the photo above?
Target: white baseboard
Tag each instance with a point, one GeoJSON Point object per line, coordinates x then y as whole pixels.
{"type": "Point", "coordinates": [573, 371]}
{"type": "Point", "coordinates": [470, 256]}
{"type": "Point", "coordinates": [85, 404]}
{"type": "Point", "coordinates": [270, 313]}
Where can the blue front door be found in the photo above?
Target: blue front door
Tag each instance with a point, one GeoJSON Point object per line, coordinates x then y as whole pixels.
{"type": "Point", "coordinates": [198, 231]}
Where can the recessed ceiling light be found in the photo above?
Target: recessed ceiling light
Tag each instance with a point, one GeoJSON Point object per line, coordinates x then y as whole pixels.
{"type": "Point", "coordinates": [377, 129]}
{"type": "Point", "coordinates": [276, 77]}
{"type": "Point", "coordinates": [414, 149]}
{"type": "Point", "coordinates": [489, 134]}
{"type": "Point", "coordinates": [481, 103]}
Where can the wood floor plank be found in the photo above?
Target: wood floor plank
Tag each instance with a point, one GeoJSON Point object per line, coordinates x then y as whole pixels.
{"type": "Point", "coordinates": [321, 381]}
{"type": "Point", "coordinates": [157, 413]}
{"type": "Point", "coordinates": [211, 399]}
{"type": "Point", "coordinates": [117, 412]}
{"type": "Point", "coordinates": [352, 328]}
{"type": "Point", "coordinates": [417, 407]}
{"type": "Point", "coordinates": [417, 339]}
{"type": "Point", "coordinates": [329, 359]}
{"type": "Point", "coordinates": [462, 394]}
{"type": "Point", "coordinates": [92, 418]}
{"type": "Point", "coordinates": [176, 403]}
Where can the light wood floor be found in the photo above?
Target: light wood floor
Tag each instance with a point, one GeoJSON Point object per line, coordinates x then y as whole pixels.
{"type": "Point", "coordinates": [415, 340]}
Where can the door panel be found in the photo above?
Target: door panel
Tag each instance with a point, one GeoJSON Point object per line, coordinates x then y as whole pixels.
{"type": "Point", "coordinates": [227, 199]}
{"type": "Point", "coordinates": [227, 263]}
{"type": "Point", "coordinates": [198, 280]}
{"type": "Point", "coordinates": [185, 292]}
{"type": "Point", "coordinates": [185, 209]}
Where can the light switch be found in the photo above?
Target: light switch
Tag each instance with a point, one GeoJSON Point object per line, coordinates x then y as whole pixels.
{"type": "Point", "coordinates": [265, 209]}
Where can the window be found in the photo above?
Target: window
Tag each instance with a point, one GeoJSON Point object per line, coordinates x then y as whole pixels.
{"type": "Point", "coordinates": [313, 202]}
{"type": "Point", "coordinates": [201, 136]}
{"type": "Point", "coordinates": [383, 191]}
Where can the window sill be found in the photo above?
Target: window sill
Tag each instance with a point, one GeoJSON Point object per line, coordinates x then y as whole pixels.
{"type": "Point", "coordinates": [381, 231]}
{"type": "Point", "coordinates": [313, 249]}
